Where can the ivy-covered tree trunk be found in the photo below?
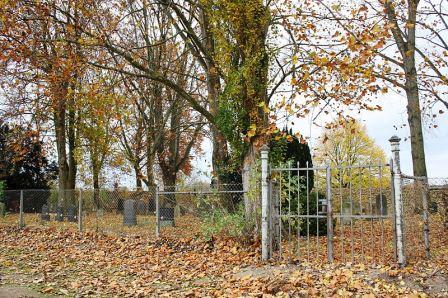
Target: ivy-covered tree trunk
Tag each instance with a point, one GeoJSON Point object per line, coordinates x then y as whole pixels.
{"type": "Point", "coordinates": [220, 149]}
{"type": "Point", "coordinates": [251, 41]}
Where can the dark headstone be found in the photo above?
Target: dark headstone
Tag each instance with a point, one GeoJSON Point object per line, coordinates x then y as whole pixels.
{"type": "Point", "coordinates": [166, 216]}
{"type": "Point", "coordinates": [433, 207]}
{"type": "Point", "coordinates": [2, 209]}
{"type": "Point", "coordinates": [381, 205]}
{"type": "Point", "coordinates": [100, 213]}
{"type": "Point", "coordinates": [129, 215]}
{"type": "Point", "coordinates": [71, 213]}
{"type": "Point", "coordinates": [142, 207]}
{"type": "Point", "coordinates": [45, 215]}
{"type": "Point", "coordinates": [59, 215]}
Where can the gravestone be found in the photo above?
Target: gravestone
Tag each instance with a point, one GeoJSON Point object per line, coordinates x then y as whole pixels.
{"type": "Point", "coordinates": [129, 214]}
{"type": "Point", "coordinates": [59, 215]}
{"type": "Point", "coordinates": [71, 213]}
{"type": "Point", "coordinates": [100, 213]}
{"type": "Point", "coordinates": [141, 207]}
{"type": "Point", "coordinates": [350, 208]}
{"type": "Point", "coordinates": [381, 205]}
{"type": "Point", "coordinates": [166, 216]}
{"type": "Point", "coordinates": [2, 209]}
{"type": "Point", "coordinates": [346, 213]}
{"type": "Point", "coordinates": [45, 215]}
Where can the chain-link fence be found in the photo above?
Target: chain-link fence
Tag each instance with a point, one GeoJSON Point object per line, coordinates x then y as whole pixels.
{"type": "Point", "coordinates": [425, 205]}
{"type": "Point", "coordinates": [181, 210]}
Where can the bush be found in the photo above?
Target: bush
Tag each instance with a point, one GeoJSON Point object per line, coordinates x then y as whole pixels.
{"type": "Point", "coordinates": [224, 223]}
{"type": "Point", "coordinates": [311, 208]}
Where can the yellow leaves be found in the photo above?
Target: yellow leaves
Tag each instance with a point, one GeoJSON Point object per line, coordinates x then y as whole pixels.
{"type": "Point", "coordinates": [294, 60]}
{"type": "Point", "coordinates": [336, 7]}
{"type": "Point", "coordinates": [252, 130]}
{"type": "Point", "coordinates": [352, 43]}
{"type": "Point", "coordinates": [264, 107]}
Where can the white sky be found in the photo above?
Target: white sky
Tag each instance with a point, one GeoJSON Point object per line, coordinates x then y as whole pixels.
{"type": "Point", "coordinates": [381, 125]}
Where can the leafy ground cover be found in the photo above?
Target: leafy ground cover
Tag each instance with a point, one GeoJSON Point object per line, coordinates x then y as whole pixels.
{"type": "Point", "coordinates": [53, 261]}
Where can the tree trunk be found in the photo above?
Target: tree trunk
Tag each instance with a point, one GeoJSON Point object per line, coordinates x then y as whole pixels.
{"type": "Point", "coordinates": [59, 124]}
{"type": "Point", "coordinates": [71, 183]}
{"type": "Point", "coordinates": [169, 185]}
{"type": "Point", "coordinates": [220, 148]}
{"type": "Point", "coordinates": [96, 187]}
{"type": "Point", "coordinates": [415, 127]}
{"type": "Point", "coordinates": [251, 198]}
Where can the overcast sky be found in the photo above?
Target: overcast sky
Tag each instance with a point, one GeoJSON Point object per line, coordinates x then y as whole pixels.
{"type": "Point", "coordinates": [381, 125]}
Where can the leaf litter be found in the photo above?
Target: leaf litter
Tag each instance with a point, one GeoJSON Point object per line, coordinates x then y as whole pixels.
{"type": "Point", "coordinates": [65, 262]}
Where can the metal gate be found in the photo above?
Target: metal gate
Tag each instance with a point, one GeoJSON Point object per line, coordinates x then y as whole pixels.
{"type": "Point", "coordinates": [342, 214]}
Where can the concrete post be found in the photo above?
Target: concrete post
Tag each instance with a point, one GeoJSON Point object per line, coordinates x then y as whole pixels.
{"type": "Point", "coordinates": [425, 197]}
{"type": "Point", "coordinates": [329, 217]}
{"type": "Point", "coordinates": [157, 212]}
{"type": "Point", "coordinates": [265, 253]}
{"type": "Point", "coordinates": [21, 221]}
{"type": "Point", "coordinates": [80, 211]}
{"type": "Point", "coordinates": [398, 201]}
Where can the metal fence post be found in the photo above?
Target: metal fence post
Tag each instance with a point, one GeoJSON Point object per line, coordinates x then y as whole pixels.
{"type": "Point", "coordinates": [80, 211]}
{"type": "Point", "coordinates": [392, 191]}
{"type": "Point", "coordinates": [329, 217]}
{"type": "Point", "coordinates": [398, 201]}
{"type": "Point", "coordinates": [157, 212]}
{"type": "Point", "coordinates": [425, 196]}
{"type": "Point", "coordinates": [21, 221]}
{"type": "Point", "coordinates": [265, 253]}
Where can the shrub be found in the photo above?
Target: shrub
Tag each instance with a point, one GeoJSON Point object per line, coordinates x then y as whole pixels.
{"type": "Point", "coordinates": [311, 208]}
{"type": "Point", "coordinates": [224, 223]}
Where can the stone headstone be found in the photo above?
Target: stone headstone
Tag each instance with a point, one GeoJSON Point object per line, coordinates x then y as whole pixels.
{"type": "Point", "coordinates": [346, 213]}
{"type": "Point", "coordinates": [141, 207]}
{"type": "Point", "coordinates": [129, 214]}
{"type": "Point", "coordinates": [59, 215]}
{"type": "Point", "coordinates": [166, 216]}
{"type": "Point", "coordinates": [381, 205]}
{"type": "Point", "coordinates": [2, 209]}
{"type": "Point", "coordinates": [100, 213]}
{"type": "Point", "coordinates": [71, 213]}
{"type": "Point", "coordinates": [45, 215]}
{"type": "Point", "coordinates": [433, 207]}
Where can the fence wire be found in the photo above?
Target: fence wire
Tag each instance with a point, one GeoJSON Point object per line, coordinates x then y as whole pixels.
{"type": "Point", "coordinates": [181, 209]}
{"type": "Point", "coordinates": [425, 224]}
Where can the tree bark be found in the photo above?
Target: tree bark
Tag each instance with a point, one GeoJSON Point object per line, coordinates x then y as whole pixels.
{"type": "Point", "coordinates": [60, 131]}
{"type": "Point", "coordinates": [96, 187]}
{"type": "Point", "coordinates": [407, 47]}
{"type": "Point", "coordinates": [220, 149]}
{"type": "Point", "coordinates": [415, 127]}
{"type": "Point", "coordinates": [72, 165]}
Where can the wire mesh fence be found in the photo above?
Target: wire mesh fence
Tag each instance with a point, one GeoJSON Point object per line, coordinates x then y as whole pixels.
{"type": "Point", "coordinates": [425, 205]}
{"type": "Point", "coordinates": [180, 210]}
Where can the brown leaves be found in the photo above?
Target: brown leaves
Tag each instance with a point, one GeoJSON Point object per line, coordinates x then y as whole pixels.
{"type": "Point", "coordinates": [64, 262]}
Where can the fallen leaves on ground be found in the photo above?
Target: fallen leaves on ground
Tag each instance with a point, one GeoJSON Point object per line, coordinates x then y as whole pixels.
{"type": "Point", "coordinates": [65, 262]}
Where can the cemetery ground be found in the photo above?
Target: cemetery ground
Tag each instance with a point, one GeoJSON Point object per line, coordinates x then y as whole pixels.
{"type": "Point", "coordinates": [55, 260]}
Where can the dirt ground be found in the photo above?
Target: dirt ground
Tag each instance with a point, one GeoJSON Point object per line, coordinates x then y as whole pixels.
{"type": "Point", "coordinates": [47, 261]}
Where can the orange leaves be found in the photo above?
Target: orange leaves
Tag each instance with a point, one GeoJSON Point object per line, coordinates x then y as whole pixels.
{"type": "Point", "coordinates": [101, 265]}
